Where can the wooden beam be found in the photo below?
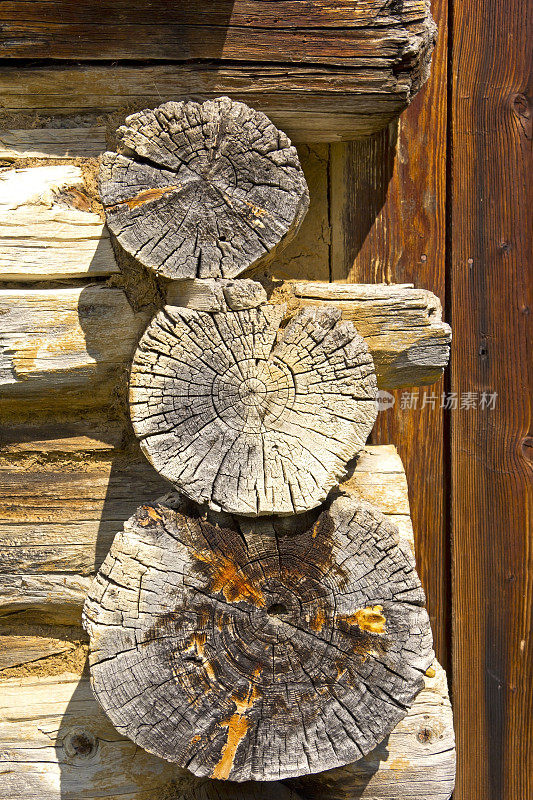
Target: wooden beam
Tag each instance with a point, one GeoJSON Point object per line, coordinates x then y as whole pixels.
{"type": "Point", "coordinates": [74, 346]}
{"type": "Point", "coordinates": [48, 229]}
{"type": "Point", "coordinates": [58, 743]}
{"type": "Point", "coordinates": [48, 143]}
{"type": "Point", "coordinates": [65, 347]}
{"type": "Point", "coordinates": [311, 104]}
{"type": "Point", "coordinates": [491, 440]}
{"type": "Point", "coordinates": [388, 223]}
{"type": "Point", "coordinates": [56, 717]}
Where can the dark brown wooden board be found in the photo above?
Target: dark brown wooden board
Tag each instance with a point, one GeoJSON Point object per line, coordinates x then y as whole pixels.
{"type": "Point", "coordinates": [388, 224]}
{"type": "Point", "coordinates": [490, 259]}
{"type": "Point", "coordinates": [250, 30]}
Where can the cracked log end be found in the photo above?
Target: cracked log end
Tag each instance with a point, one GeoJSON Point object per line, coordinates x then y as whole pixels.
{"type": "Point", "coordinates": [246, 417]}
{"type": "Point", "coordinates": [202, 189]}
{"type": "Point", "coordinates": [257, 649]}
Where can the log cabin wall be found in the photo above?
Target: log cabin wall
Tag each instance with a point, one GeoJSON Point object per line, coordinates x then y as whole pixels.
{"type": "Point", "coordinates": [437, 199]}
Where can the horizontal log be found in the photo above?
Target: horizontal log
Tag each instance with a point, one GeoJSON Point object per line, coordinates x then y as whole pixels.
{"type": "Point", "coordinates": [62, 500]}
{"type": "Point", "coordinates": [402, 326]}
{"type": "Point", "coordinates": [397, 36]}
{"type": "Point", "coordinates": [47, 143]}
{"type": "Point", "coordinates": [289, 14]}
{"type": "Point", "coordinates": [65, 347]}
{"type": "Point", "coordinates": [311, 104]}
{"type": "Point", "coordinates": [47, 227]}
{"type": "Point", "coordinates": [73, 346]}
{"type": "Point", "coordinates": [57, 743]}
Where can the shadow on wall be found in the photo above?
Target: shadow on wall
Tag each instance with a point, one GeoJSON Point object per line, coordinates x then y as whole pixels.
{"type": "Point", "coordinates": [361, 172]}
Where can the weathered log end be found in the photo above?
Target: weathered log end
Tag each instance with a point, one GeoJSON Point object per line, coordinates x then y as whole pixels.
{"type": "Point", "coordinates": [202, 189]}
{"type": "Point", "coordinates": [416, 762]}
{"type": "Point", "coordinates": [247, 417]}
{"type": "Point", "coordinates": [259, 649]}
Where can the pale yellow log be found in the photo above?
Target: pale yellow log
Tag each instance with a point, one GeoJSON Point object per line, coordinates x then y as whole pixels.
{"type": "Point", "coordinates": [69, 342]}
{"type": "Point", "coordinates": [47, 227]}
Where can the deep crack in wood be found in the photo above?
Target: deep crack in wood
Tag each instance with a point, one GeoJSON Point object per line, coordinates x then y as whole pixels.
{"type": "Point", "coordinates": [257, 649]}
{"type": "Point", "coordinates": [202, 189]}
{"type": "Point", "coordinates": [248, 418]}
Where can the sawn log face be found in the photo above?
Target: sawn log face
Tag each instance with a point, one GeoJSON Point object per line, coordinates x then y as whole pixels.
{"type": "Point", "coordinates": [257, 649]}
{"type": "Point", "coordinates": [202, 189]}
{"type": "Point", "coordinates": [248, 419]}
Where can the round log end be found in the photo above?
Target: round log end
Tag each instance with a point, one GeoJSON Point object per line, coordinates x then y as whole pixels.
{"type": "Point", "coordinates": [257, 649]}
{"type": "Point", "coordinates": [247, 416]}
{"type": "Point", "coordinates": [202, 189]}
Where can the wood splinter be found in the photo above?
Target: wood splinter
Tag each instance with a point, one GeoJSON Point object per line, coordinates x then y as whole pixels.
{"type": "Point", "coordinates": [257, 649]}
{"type": "Point", "coordinates": [202, 189]}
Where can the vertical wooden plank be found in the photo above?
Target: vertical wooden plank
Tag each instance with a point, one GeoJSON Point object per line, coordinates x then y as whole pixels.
{"type": "Point", "coordinates": [491, 449]}
{"type": "Point", "coordinates": [388, 224]}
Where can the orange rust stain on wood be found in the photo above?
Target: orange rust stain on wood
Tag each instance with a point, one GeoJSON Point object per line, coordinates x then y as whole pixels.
{"type": "Point", "coordinates": [318, 621]}
{"type": "Point", "coordinates": [370, 619]}
{"type": "Point", "coordinates": [151, 516]}
{"type": "Point", "coordinates": [145, 196]}
{"type": "Point", "coordinates": [227, 578]}
{"type": "Point", "coordinates": [199, 641]}
{"type": "Point", "coordinates": [237, 727]}
{"type": "Point", "coordinates": [73, 198]}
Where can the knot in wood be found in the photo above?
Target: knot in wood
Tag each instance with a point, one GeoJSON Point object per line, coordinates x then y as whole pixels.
{"type": "Point", "coordinates": [247, 417]}
{"type": "Point", "coordinates": [202, 189]}
{"type": "Point", "coordinates": [257, 649]}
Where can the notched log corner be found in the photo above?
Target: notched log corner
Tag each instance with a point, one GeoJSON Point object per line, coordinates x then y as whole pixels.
{"type": "Point", "coordinates": [202, 189]}
{"type": "Point", "coordinates": [257, 649]}
{"type": "Point", "coordinates": [247, 417]}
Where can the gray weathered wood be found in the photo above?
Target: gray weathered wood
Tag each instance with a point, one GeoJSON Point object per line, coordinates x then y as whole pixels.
{"type": "Point", "coordinates": [244, 417]}
{"type": "Point", "coordinates": [202, 189]}
{"type": "Point", "coordinates": [49, 143]}
{"type": "Point", "coordinates": [257, 649]}
{"type": "Point", "coordinates": [66, 347]}
{"type": "Point", "coordinates": [65, 491]}
{"type": "Point", "coordinates": [47, 227]}
{"type": "Point", "coordinates": [402, 326]}
{"type": "Point", "coordinates": [95, 330]}
{"type": "Point", "coordinates": [40, 716]}
{"type": "Point", "coordinates": [416, 762]}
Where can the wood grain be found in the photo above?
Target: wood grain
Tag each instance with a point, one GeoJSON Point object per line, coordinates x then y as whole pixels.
{"type": "Point", "coordinates": [72, 347]}
{"type": "Point", "coordinates": [202, 189]}
{"type": "Point", "coordinates": [388, 224]}
{"type": "Point", "coordinates": [48, 229]}
{"type": "Point", "coordinates": [311, 104]}
{"type": "Point", "coordinates": [401, 36]}
{"type": "Point", "coordinates": [56, 738]}
{"type": "Point", "coordinates": [67, 347]}
{"type": "Point", "coordinates": [248, 649]}
{"type": "Point", "coordinates": [416, 762]}
{"type": "Point", "coordinates": [65, 491]}
{"type": "Point", "coordinates": [491, 299]}
{"type": "Point", "coordinates": [47, 143]}
{"type": "Point", "coordinates": [244, 416]}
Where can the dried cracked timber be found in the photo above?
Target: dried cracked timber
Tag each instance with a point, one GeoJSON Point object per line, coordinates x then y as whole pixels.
{"type": "Point", "coordinates": [246, 417]}
{"type": "Point", "coordinates": [259, 649]}
{"type": "Point", "coordinates": [202, 189]}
